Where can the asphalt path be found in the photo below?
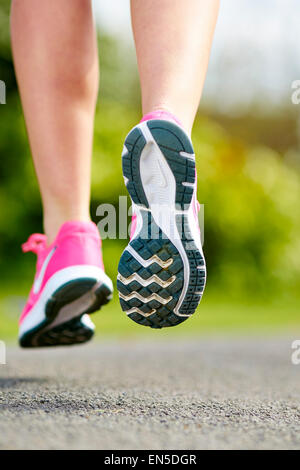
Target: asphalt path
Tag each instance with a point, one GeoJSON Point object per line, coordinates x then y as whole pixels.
{"type": "Point", "coordinates": [218, 392]}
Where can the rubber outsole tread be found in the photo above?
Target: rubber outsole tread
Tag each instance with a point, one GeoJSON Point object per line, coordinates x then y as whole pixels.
{"type": "Point", "coordinates": [134, 143]}
{"type": "Point", "coordinates": [197, 268]}
{"type": "Point", "coordinates": [72, 331]}
{"type": "Point", "coordinates": [135, 295]}
{"type": "Point", "coordinates": [164, 250]}
{"type": "Point", "coordinates": [183, 169]}
{"type": "Point", "coordinates": [178, 152]}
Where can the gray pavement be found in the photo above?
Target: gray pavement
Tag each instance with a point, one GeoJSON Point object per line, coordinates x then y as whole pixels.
{"type": "Point", "coordinates": [204, 393]}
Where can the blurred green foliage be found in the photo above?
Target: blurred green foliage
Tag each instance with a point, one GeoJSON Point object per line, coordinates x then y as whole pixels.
{"type": "Point", "coordinates": [248, 179]}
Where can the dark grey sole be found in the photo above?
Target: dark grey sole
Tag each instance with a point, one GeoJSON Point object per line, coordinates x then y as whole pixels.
{"type": "Point", "coordinates": [155, 303]}
{"type": "Point", "coordinates": [72, 331]}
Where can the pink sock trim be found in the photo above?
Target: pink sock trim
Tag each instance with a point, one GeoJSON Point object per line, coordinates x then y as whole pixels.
{"type": "Point", "coordinates": [161, 114]}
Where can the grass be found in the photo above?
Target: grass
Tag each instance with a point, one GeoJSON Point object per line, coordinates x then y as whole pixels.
{"type": "Point", "coordinates": [213, 316]}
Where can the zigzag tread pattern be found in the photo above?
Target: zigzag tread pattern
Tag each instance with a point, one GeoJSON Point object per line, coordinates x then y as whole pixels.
{"type": "Point", "coordinates": [160, 281]}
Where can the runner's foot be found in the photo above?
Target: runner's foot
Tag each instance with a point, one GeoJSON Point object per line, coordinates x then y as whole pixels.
{"type": "Point", "coordinates": [162, 271]}
{"type": "Point", "coordinates": [70, 282]}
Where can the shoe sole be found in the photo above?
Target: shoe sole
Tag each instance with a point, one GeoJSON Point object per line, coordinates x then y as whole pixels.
{"type": "Point", "coordinates": [72, 332]}
{"type": "Point", "coordinates": [161, 278]}
{"type": "Point", "coordinates": [60, 317]}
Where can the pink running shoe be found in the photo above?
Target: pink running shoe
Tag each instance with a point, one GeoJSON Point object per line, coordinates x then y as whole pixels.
{"type": "Point", "coordinates": [70, 282]}
{"type": "Point", "coordinates": [162, 271]}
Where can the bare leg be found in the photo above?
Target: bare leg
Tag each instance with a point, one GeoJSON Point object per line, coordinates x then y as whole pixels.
{"type": "Point", "coordinates": [173, 40]}
{"type": "Point", "coordinates": [56, 61]}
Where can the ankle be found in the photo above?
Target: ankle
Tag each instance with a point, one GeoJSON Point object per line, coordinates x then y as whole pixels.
{"type": "Point", "coordinates": [166, 114]}
{"type": "Point", "coordinates": [52, 224]}
{"type": "Point", "coordinates": [161, 114]}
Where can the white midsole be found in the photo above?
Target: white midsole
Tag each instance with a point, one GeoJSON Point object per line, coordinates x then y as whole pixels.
{"type": "Point", "coordinates": [159, 186]}
{"type": "Point", "coordinates": [37, 314]}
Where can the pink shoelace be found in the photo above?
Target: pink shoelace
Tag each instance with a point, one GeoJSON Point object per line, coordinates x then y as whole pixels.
{"type": "Point", "coordinates": [36, 243]}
